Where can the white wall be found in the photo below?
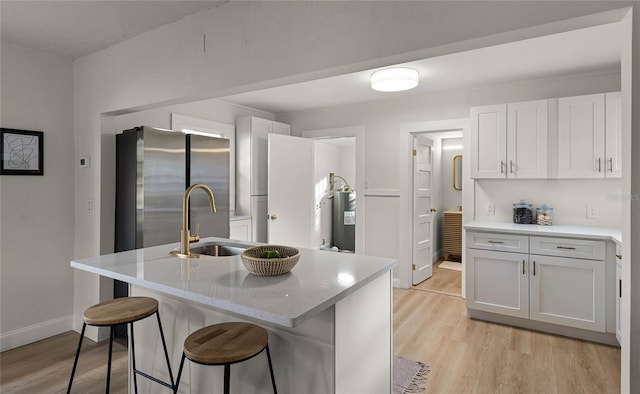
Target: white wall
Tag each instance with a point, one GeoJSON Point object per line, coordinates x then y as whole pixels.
{"type": "Point", "coordinates": [36, 220]}
{"type": "Point", "coordinates": [451, 197]}
{"type": "Point", "coordinates": [382, 121]}
{"type": "Point", "coordinates": [254, 45]}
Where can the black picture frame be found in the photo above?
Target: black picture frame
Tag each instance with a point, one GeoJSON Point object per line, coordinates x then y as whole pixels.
{"type": "Point", "coordinates": [21, 152]}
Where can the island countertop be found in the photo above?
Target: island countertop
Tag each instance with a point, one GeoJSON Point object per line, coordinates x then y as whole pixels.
{"type": "Point", "coordinates": [318, 281]}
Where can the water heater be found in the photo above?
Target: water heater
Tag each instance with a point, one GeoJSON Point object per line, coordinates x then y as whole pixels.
{"type": "Point", "coordinates": [344, 220]}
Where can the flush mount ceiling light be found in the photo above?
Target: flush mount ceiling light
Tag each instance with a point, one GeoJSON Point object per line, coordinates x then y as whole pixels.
{"type": "Point", "coordinates": [394, 79]}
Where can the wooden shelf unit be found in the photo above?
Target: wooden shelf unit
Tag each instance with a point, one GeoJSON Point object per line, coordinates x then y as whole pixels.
{"type": "Point", "coordinates": [452, 234]}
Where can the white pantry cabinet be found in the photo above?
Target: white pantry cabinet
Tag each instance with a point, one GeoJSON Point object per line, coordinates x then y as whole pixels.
{"type": "Point", "coordinates": [509, 140]}
{"type": "Point", "coordinates": [251, 169]}
{"type": "Point", "coordinates": [590, 136]}
{"type": "Point", "coordinates": [556, 280]}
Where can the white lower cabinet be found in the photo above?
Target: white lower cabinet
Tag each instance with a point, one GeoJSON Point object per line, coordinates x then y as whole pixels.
{"type": "Point", "coordinates": [240, 229]}
{"type": "Point", "coordinates": [558, 289]}
{"type": "Point", "coordinates": [498, 282]}
{"type": "Point", "coordinates": [566, 291]}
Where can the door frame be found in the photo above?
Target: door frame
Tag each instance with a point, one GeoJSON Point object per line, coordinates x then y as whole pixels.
{"type": "Point", "coordinates": [402, 274]}
{"type": "Point", "coordinates": [358, 133]}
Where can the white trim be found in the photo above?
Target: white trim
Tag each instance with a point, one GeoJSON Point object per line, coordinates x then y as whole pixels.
{"type": "Point", "coordinates": [382, 193]}
{"type": "Point", "coordinates": [358, 133]}
{"type": "Point", "coordinates": [403, 272]}
{"type": "Point", "coordinates": [36, 332]}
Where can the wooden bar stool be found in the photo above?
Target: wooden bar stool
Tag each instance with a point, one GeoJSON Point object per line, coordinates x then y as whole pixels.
{"type": "Point", "coordinates": [226, 344]}
{"type": "Point", "coordinates": [125, 310]}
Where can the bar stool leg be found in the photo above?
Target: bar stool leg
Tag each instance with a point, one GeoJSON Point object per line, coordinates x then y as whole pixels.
{"type": "Point", "coordinates": [164, 345]}
{"type": "Point", "coordinates": [273, 379]}
{"type": "Point", "coordinates": [75, 362]}
{"type": "Point", "coordinates": [227, 376]}
{"type": "Point", "coordinates": [109, 363]}
{"type": "Point", "coordinates": [133, 359]}
{"type": "Point", "coordinates": [175, 388]}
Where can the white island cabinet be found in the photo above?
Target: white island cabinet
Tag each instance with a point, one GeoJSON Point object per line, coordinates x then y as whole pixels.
{"type": "Point", "coordinates": [329, 319]}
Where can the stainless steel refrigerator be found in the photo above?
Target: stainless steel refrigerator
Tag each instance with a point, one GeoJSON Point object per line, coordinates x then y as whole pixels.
{"type": "Point", "coordinates": [154, 167]}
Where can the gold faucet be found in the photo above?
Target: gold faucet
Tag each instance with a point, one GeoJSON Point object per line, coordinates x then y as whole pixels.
{"type": "Point", "coordinates": [185, 237]}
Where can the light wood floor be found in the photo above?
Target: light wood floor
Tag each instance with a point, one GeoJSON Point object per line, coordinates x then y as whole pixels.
{"type": "Point", "coordinates": [45, 366]}
{"type": "Point", "coordinates": [465, 356]}
{"type": "Point", "coordinates": [442, 281]}
{"type": "Point", "coordinates": [469, 356]}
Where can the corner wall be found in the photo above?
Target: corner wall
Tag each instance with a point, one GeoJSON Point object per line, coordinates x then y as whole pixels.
{"type": "Point", "coordinates": [36, 220]}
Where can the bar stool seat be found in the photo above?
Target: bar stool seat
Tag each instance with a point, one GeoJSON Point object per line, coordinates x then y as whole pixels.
{"type": "Point", "coordinates": [226, 344]}
{"type": "Point", "coordinates": [125, 310]}
{"type": "Point", "coordinates": [120, 311]}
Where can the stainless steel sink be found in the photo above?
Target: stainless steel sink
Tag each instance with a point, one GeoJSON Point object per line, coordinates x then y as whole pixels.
{"type": "Point", "coordinates": [219, 248]}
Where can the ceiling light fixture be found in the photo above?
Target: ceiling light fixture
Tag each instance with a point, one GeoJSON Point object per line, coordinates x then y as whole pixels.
{"type": "Point", "coordinates": [394, 79]}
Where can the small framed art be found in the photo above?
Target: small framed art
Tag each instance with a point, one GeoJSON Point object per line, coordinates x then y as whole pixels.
{"type": "Point", "coordinates": [21, 152]}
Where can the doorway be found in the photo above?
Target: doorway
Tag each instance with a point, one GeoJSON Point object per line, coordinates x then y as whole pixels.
{"type": "Point", "coordinates": [437, 212]}
{"type": "Point", "coordinates": [450, 135]}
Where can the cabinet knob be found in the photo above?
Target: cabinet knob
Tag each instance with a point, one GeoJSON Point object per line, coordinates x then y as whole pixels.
{"type": "Point", "coordinates": [273, 217]}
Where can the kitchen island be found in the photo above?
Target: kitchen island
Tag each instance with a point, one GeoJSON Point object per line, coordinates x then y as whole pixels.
{"type": "Point", "coordinates": [329, 319]}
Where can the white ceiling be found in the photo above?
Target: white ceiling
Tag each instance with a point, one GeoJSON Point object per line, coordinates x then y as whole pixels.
{"type": "Point", "coordinates": [72, 29]}
{"type": "Point", "coordinates": [579, 51]}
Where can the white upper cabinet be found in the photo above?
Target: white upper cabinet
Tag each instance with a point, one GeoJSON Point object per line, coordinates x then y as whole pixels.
{"type": "Point", "coordinates": [589, 136]}
{"type": "Point", "coordinates": [613, 134]}
{"type": "Point", "coordinates": [509, 140]}
{"type": "Point", "coordinates": [527, 139]}
{"type": "Point", "coordinates": [488, 141]}
{"type": "Point", "coordinates": [251, 167]}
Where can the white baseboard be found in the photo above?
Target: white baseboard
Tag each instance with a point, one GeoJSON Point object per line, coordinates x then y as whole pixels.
{"type": "Point", "coordinates": [36, 332]}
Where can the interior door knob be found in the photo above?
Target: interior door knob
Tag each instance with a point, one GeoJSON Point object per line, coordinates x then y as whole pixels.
{"type": "Point", "coordinates": [273, 217]}
{"type": "Point", "coordinates": [433, 209]}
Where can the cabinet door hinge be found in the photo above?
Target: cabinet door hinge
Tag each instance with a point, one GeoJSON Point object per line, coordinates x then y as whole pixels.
{"type": "Point", "coordinates": [415, 153]}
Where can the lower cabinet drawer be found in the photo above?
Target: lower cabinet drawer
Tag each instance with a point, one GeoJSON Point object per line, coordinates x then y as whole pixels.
{"type": "Point", "coordinates": [567, 247]}
{"type": "Point", "coordinates": [498, 242]}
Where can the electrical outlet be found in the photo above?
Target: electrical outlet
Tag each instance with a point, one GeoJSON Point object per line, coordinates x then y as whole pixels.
{"type": "Point", "coordinates": [491, 209]}
{"type": "Point", "coordinates": [593, 212]}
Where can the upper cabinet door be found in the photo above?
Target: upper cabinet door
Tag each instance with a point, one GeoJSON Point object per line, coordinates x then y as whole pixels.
{"type": "Point", "coordinates": [613, 135]}
{"type": "Point", "coordinates": [527, 139]}
{"type": "Point", "coordinates": [489, 141]}
{"type": "Point", "coordinates": [581, 141]}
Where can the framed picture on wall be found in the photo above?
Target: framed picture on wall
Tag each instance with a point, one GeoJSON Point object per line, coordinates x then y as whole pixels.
{"type": "Point", "coordinates": [21, 152]}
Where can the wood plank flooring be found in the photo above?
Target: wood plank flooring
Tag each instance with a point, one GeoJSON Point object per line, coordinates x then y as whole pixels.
{"type": "Point", "coordinates": [465, 356]}
{"type": "Point", "coordinates": [442, 281]}
{"type": "Point", "coordinates": [469, 356]}
{"type": "Point", "coordinates": [45, 366]}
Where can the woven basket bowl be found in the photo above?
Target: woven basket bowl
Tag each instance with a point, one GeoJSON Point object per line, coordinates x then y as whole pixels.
{"type": "Point", "coordinates": [270, 267]}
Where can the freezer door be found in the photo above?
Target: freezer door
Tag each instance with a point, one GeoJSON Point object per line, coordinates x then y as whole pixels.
{"type": "Point", "coordinates": [209, 164]}
{"type": "Point", "coordinates": [162, 158]}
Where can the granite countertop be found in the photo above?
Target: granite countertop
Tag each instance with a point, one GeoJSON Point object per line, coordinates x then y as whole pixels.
{"type": "Point", "coordinates": [318, 281]}
{"type": "Point", "coordinates": [586, 232]}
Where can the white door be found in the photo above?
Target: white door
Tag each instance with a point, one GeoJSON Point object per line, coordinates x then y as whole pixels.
{"type": "Point", "coordinates": [527, 139]}
{"type": "Point", "coordinates": [613, 134]}
{"type": "Point", "coordinates": [290, 190]}
{"type": "Point", "coordinates": [489, 141]}
{"type": "Point", "coordinates": [581, 137]}
{"type": "Point", "coordinates": [422, 209]}
{"type": "Point", "coordinates": [568, 292]}
{"type": "Point", "coordinates": [498, 282]}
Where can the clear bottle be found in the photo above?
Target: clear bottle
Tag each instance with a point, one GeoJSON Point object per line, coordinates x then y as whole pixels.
{"type": "Point", "coordinates": [544, 214]}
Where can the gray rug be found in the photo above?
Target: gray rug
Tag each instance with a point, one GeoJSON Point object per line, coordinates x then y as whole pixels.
{"type": "Point", "coordinates": [408, 375]}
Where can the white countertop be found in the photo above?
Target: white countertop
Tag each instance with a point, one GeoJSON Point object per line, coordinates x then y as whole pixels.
{"type": "Point", "coordinates": [604, 233]}
{"type": "Point", "coordinates": [318, 281]}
